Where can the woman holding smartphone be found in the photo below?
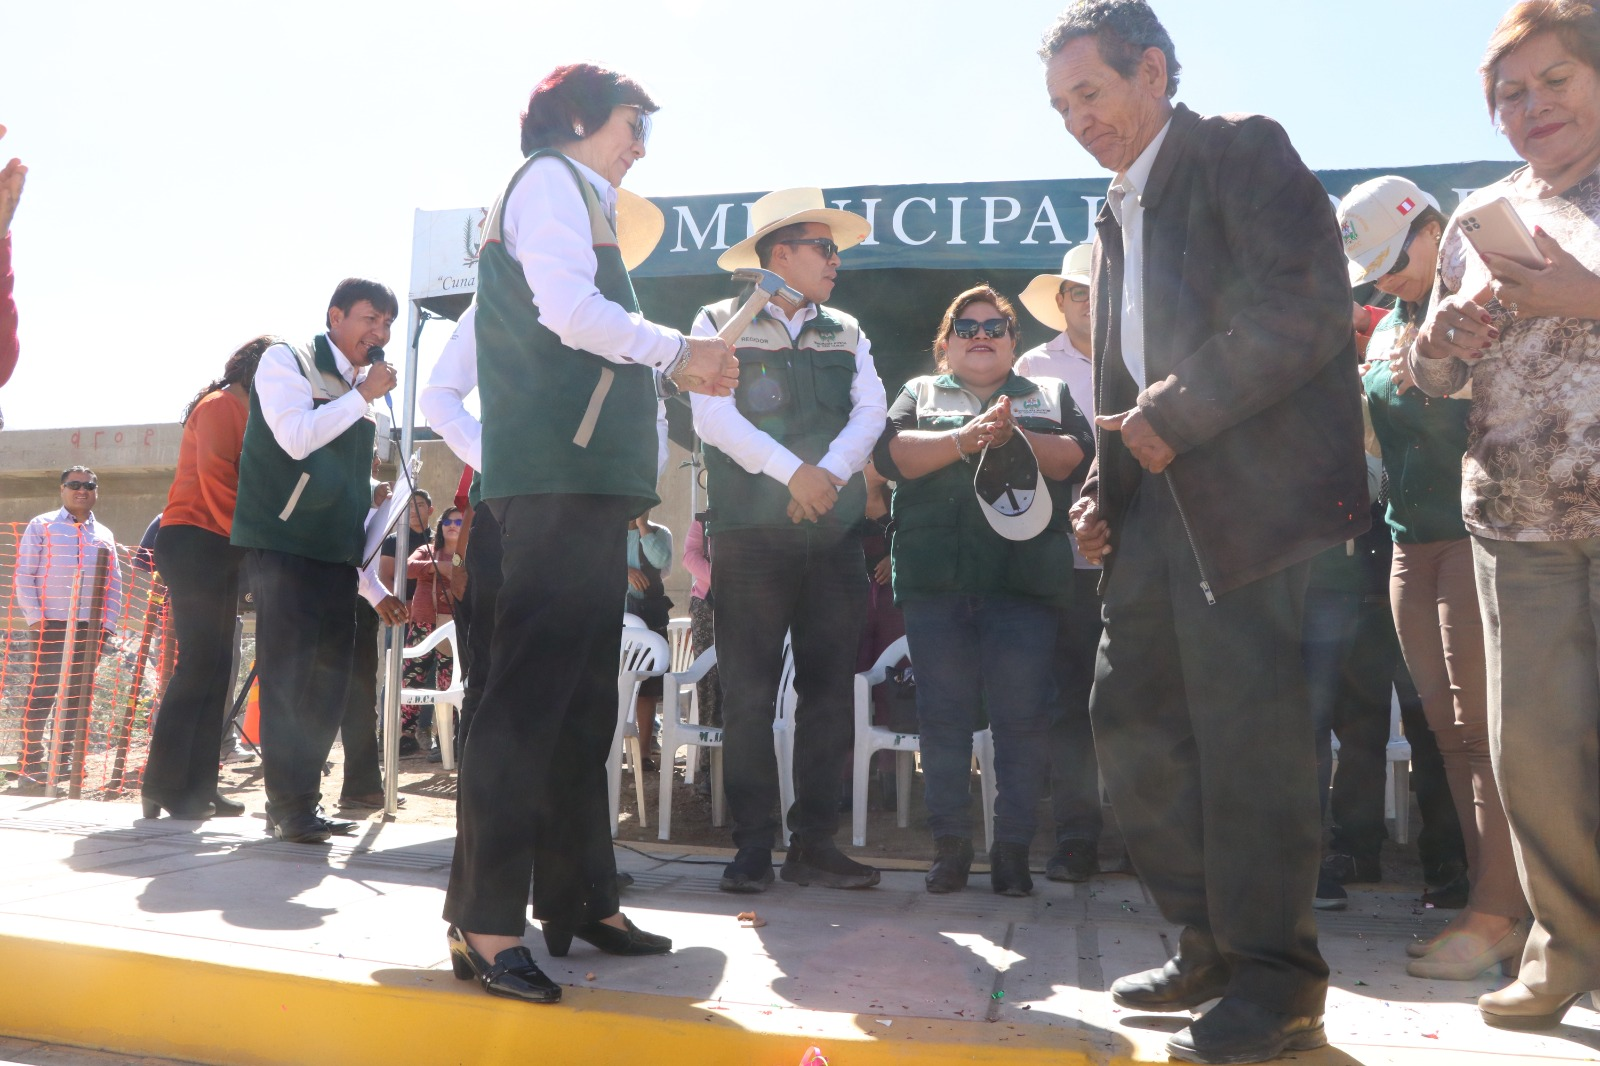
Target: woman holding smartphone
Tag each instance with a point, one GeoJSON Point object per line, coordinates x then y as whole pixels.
{"type": "Point", "coordinates": [1528, 340]}
{"type": "Point", "coordinates": [1392, 235]}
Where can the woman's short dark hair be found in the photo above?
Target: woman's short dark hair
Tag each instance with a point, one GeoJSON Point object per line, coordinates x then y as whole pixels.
{"type": "Point", "coordinates": [1122, 30]}
{"type": "Point", "coordinates": [1575, 22]}
{"type": "Point", "coordinates": [577, 96]}
{"type": "Point", "coordinates": [981, 293]}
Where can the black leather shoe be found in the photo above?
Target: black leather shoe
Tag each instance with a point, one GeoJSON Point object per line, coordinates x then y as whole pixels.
{"type": "Point", "coordinates": [1236, 1030]}
{"type": "Point", "coordinates": [1450, 897]}
{"type": "Point", "coordinates": [183, 812]}
{"type": "Point", "coordinates": [750, 871]}
{"type": "Point", "coordinates": [608, 938]}
{"type": "Point", "coordinates": [336, 826]}
{"type": "Point", "coordinates": [1168, 988]}
{"type": "Point", "coordinates": [1073, 860]}
{"type": "Point", "coordinates": [1008, 870]}
{"type": "Point", "coordinates": [226, 808]}
{"type": "Point", "coordinates": [952, 865]}
{"type": "Point", "coordinates": [513, 974]}
{"type": "Point", "coordinates": [300, 829]}
{"type": "Point", "coordinates": [825, 865]}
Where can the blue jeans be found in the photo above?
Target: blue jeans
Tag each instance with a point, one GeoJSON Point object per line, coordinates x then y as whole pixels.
{"type": "Point", "coordinates": [993, 652]}
{"type": "Point", "coordinates": [1328, 635]}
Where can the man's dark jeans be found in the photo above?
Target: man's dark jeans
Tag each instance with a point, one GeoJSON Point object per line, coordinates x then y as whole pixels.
{"type": "Point", "coordinates": [53, 642]}
{"type": "Point", "coordinates": [305, 646]}
{"type": "Point", "coordinates": [1074, 768]}
{"type": "Point", "coordinates": [811, 582]}
{"type": "Point", "coordinates": [358, 730]}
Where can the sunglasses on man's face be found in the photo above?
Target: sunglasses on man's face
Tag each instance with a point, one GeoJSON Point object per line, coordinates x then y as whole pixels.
{"type": "Point", "coordinates": [967, 328]}
{"type": "Point", "coordinates": [824, 245]}
{"type": "Point", "coordinates": [81, 486]}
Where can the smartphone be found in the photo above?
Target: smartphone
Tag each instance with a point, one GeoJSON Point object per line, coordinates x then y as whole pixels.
{"type": "Point", "coordinates": [1495, 227]}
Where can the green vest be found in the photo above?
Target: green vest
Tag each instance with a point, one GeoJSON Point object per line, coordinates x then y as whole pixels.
{"type": "Point", "coordinates": [797, 392]}
{"type": "Point", "coordinates": [942, 543]}
{"type": "Point", "coordinates": [314, 507]}
{"type": "Point", "coordinates": [556, 419]}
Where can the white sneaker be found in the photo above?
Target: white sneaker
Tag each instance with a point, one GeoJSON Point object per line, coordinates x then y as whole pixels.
{"type": "Point", "coordinates": [239, 753]}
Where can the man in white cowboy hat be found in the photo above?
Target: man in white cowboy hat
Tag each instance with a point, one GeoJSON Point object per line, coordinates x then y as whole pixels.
{"type": "Point", "coordinates": [1061, 301]}
{"type": "Point", "coordinates": [783, 461]}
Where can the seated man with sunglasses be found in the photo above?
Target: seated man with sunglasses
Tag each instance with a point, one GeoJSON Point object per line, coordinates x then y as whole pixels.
{"type": "Point", "coordinates": [57, 561]}
{"type": "Point", "coordinates": [783, 457]}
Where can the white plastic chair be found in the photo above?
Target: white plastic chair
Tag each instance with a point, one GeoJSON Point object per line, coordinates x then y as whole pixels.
{"type": "Point", "coordinates": [1396, 775]}
{"type": "Point", "coordinates": [644, 654]}
{"type": "Point", "coordinates": [871, 738]}
{"type": "Point", "coordinates": [677, 731]}
{"type": "Point", "coordinates": [632, 621]}
{"type": "Point", "coordinates": [783, 732]}
{"type": "Point", "coordinates": [682, 644]}
{"type": "Point", "coordinates": [446, 702]}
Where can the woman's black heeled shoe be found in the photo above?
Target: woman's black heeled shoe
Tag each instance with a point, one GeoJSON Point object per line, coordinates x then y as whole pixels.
{"type": "Point", "coordinates": [513, 975]}
{"type": "Point", "coordinates": [182, 812]}
{"type": "Point", "coordinates": [226, 808]}
{"type": "Point", "coordinates": [608, 938]}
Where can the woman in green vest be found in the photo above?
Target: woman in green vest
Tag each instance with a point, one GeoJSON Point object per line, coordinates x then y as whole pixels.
{"type": "Point", "coordinates": [567, 376]}
{"type": "Point", "coordinates": [980, 608]}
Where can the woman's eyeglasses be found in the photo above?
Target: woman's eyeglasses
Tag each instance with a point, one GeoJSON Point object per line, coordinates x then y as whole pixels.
{"type": "Point", "coordinates": [641, 129]}
{"type": "Point", "coordinates": [967, 328]}
{"type": "Point", "coordinates": [81, 486]}
{"type": "Point", "coordinates": [824, 245]}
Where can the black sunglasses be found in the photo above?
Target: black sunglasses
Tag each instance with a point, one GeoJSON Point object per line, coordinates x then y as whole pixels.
{"type": "Point", "coordinates": [1405, 259]}
{"type": "Point", "coordinates": [81, 486]}
{"type": "Point", "coordinates": [824, 245]}
{"type": "Point", "coordinates": [967, 328]}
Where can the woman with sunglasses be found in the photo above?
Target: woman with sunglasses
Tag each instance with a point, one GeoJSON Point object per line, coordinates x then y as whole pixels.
{"type": "Point", "coordinates": [201, 571]}
{"type": "Point", "coordinates": [980, 609]}
{"type": "Point", "coordinates": [567, 370]}
{"type": "Point", "coordinates": [1392, 233]}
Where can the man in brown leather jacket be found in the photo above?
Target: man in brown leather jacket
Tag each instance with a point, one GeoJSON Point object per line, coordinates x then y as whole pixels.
{"type": "Point", "coordinates": [1229, 454]}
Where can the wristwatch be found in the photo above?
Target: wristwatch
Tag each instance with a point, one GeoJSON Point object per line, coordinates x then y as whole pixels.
{"type": "Point", "coordinates": [456, 560]}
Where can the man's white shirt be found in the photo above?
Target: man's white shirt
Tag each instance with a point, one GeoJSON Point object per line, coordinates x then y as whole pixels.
{"type": "Point", "coordinates": [1123, 199]}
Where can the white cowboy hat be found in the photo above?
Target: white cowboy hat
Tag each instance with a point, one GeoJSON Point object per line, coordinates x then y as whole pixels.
{"type": "Point", "coordinates": [1040, 295]}
{"type": "Point", "coordinates": [640, 225]}
{"type": "Point", "coordinates": [787, 207]}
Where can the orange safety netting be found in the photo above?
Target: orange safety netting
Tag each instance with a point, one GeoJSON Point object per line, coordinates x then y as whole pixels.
{"type": "Point", "coordinates": [84, 656]}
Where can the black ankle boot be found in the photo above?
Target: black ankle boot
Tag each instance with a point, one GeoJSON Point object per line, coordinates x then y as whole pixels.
{"type": "Point", "coordinates": [951, 865]}
{"type": "Point", "coordinates": [1008, 870]}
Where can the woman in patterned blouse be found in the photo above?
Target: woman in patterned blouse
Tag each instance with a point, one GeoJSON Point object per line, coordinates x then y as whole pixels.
{"type": "Point", "coordinates": [1528, 339]}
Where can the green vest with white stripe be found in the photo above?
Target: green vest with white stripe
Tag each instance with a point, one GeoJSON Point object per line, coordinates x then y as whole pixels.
{"type": "Point", "coordinates": [314, 507]}
{"type": "Point", "coordinates": [557, 419]}
{"type": "Point", "coordinates": [798, 393]}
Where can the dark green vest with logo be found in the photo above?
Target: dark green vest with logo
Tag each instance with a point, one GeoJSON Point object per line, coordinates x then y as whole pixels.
{"type": "Point", "coordinates": [942, 543]}
{"type": "Point", "coordinates": [797, 392]}
{"type": "Point", "coordinates": [314, 507]}
{"type": "Point", "coordinates": [556, 419]}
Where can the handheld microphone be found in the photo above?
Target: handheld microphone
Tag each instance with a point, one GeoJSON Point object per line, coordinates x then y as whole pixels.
{"type": "Point", "coordinates": [375, 355]}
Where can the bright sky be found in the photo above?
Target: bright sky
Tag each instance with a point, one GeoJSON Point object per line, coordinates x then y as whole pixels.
{"type": "Point", "coordinates": [202, 172]}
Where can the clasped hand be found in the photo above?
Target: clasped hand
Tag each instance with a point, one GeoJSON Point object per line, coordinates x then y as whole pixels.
{"type": "Point", "coordinates": [993, 428]}
{"type": "Point", "coordinates": [812, 493]}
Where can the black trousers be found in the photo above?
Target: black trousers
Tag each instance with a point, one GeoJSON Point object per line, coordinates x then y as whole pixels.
{"type": "Point", "coordinates": [532, 788]}
{"type": "Point", "coordinates": [1203, 724]}
{"type": "Point", "coordinates": [475, 614]}
{"type": "Point", "coordinates": [201, 571]}
{"type": "Point", "coordinates": [1361, 722]}
{"type": "Point", "coordinates": [358, 729]}
{"type": "Point", "coordinates": [53, 643]}
{"type": "Point", "coordinates": [305, 644]}
{"type": "Point", "coordinates": [1074, 770]}
{"type": "Point", "coordinates": [813, 583]}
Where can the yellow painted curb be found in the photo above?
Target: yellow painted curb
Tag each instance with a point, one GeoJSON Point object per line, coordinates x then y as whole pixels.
{"type": "Point", "coordinates": [139, 1003]}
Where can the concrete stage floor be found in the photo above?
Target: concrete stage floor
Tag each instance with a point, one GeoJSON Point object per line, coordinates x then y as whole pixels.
{"type": "Point", "coordinates": [211, 943]}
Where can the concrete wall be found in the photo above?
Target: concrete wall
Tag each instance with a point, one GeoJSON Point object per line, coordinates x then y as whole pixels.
{"type": "Point", "coordinates": [135, 466]}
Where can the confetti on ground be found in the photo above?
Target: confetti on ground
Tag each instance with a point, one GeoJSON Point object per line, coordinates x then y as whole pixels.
{"type": "Point", "coordinates": [813, 1057]}
{"type": "Point", "coordinates": [589, 976]}
{"type": "Point", "coordinates": [885, 1022]}
{"type": "Point", "coordinates": [751, 920]}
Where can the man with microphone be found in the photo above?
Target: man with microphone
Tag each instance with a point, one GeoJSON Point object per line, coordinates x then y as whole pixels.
{"type": "Point", "coordinates": [303, 500]}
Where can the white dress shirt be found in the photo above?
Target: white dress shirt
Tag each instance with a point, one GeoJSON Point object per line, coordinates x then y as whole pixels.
{"type": "Point", "coordinates": [545, 226]}
{"type": "Point", "coordinates": [300, 427]}
{"type": "Point", "coordinates": [718, 422]}
{"type": "Point", "coordinates": [1059, 358]}
{"type": "Point", "coordinates": [1123, 199]}
{"type": "Point", "coordinates": [53, 552]}
{"type": "Point", "coordinates": [455, 376]}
